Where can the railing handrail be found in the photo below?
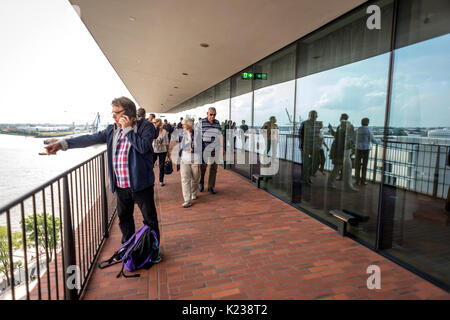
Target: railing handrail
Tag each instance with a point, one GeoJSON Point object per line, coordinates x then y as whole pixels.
{"type": "Point", "coordinates": [382, 139]}
{"type": "Point", "coordinates": [83, 224]}
{"type": "Point", "coordinates": [46, 184]}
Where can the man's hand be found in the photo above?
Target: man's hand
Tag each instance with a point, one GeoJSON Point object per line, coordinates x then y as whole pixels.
{"type": "Point", "coordinates": [53, 148]}
{"type": "Point", "coordinates": [125, 122]}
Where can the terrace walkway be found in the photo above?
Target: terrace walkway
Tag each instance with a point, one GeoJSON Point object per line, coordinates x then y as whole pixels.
{"type": "Point", "coordinates": [243, 243]}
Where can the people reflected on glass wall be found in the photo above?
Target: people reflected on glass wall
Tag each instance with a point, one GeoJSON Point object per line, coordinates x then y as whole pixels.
{"type": "Point", "coordinates": [447, 203]}
{"type": "Point", "coordinates": [233, 128]}
{"type": "Point", "coordinates": [243, 132]}
{"type": "Point", "coordinates": [322, 157]}
{"type": "Point", "coordinates": [228, 127]}
{"type": "Point", "coordinates": [310, 145]}
{"type": "Point", "coordinates": [364, 138]}
{"type": "Point", "coordinates": [340, 153]}
{"type": "Point", "coordinates": [270, 135]}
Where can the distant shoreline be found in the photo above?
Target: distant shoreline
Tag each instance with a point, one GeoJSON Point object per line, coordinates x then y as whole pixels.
{"type": "Point", "coordinates": [39, 134]}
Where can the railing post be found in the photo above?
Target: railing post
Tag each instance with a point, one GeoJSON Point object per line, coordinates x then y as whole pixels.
{"type": "Point", "coordinates": [104, 198]}
{"type": "Point", "coordinates": [375, 164]}
{"type": "Point", "coordinates": [69, 243]}
{"type": "Point", "coordinates": [436, 172]}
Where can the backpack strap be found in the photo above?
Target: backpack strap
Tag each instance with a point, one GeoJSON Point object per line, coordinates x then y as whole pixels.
{"type": "Point", "coordinates": [108, 263]}
{"type": "Point", "coordinates": [121, 273]}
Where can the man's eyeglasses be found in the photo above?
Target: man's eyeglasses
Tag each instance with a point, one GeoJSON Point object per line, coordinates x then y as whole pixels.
{"type": "Point", "coordinates": [118, 112]}
{"type": "Point", "coordinates": [212, 114]}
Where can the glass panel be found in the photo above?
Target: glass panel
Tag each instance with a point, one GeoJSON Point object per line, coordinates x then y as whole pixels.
{"type": "Point", "coordinates": [336, 161]}
{"type": "Point", "coordinates": [241, 110]}
{"type": "Point", "coordinates": [222, 101]}
{"type": "Point", "coordinates": [274, 108]}
{"type": "Point", "coordinates": [277, 68]}
{"type": "Point", "coordinates": [330, 137]}
{"type": "Point", "coordinates": [416, 203]}
{"type": "Point", "coordinates": [222, 90]}
{"type": "Point", "coordinates": [347, 40]}
{"type": "Point", "coordinates": [204, 101]}
{"type": "Point", "coordinates": [421, 20]}
{"type": "Point", "coordinates": [222, 105]}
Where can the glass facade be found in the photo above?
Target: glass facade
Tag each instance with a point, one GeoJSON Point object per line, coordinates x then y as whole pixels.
{"type": "Point", "coordinates": [241, 114]}
{"type": "Point", "coordinates": [274, 108]}
{"type": "Point", "coordinates": [354, 117]}
{"type": "Point", "coordinates": [417, 176]}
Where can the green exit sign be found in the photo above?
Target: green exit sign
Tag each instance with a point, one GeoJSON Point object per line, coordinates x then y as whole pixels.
{"type": "Point", "coordinates": [261, 76]}
{"type": "Point", "coordinates": [251, 75]}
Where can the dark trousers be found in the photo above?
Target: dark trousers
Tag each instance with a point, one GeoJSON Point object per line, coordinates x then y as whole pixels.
{"type": "Point", "coordinates": [162, 159]}
{"type": "Point", "coordinates": [125, 207]}
{"type": "Point", "coordinates": [361, 155]}
{"type": "Point", "coordinates": [212, 174]}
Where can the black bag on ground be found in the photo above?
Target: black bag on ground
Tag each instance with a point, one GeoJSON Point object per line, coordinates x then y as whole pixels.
{"type": "Point", "coordinates": [168, 167]}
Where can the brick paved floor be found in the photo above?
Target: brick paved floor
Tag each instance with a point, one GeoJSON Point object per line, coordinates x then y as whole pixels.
{"type": "Point", "coordinates": [243, 243]}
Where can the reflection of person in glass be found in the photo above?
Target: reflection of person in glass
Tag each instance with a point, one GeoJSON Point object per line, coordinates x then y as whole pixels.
{"type": "Point", "coordinates": [233, 127]}
{"type": "Point", "coordinates": [364, 137]}
{"type": "Point", "coordinates": [268, 126]}
{"type": "Point", "coordinates": [310, 144]}
{"type": "Point", "coordinates": [447, 203]}
{"type": "Point", "coordinates": [340, 153]}
{"type": "Point", "coordinates": [322, 157]}
{"type": "Point", "coordinates": [244, 129]}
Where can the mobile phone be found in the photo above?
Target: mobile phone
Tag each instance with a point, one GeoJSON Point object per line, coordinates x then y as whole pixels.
{"type": "Point", "coordinates": [128, 114]}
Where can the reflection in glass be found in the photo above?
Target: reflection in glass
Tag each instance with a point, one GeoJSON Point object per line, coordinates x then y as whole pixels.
{"type": "Point", "coordinates": [274, 109]}
{"type": "Point", "coordinates": [330, 106]}
{"type": "Point", "coordinates": [417, 173]}
{"type": "Point", "coordinates": [241, 110]}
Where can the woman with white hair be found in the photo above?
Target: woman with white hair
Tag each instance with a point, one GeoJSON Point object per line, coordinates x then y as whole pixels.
{"type": "Point", "coordinates": [189, 160]}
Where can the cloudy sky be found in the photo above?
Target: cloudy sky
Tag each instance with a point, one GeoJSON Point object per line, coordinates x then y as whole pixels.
{"type": "Point", "coordinates": [52, 70]}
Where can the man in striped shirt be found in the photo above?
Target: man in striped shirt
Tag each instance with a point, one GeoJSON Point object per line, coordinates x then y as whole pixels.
{"type": "Point", "coordinates": [130, 163]}
{"type": "Point", "coordinates": [211, 131]}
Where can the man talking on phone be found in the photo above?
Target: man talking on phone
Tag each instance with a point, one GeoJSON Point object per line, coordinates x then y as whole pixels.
{"type": "Point", "coordinates": [130, 163]}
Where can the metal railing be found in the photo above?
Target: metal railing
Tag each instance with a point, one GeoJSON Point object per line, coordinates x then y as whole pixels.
{"type": "Point", "coordinates": [413, 166]}
{"type": "Point", "coordinates": [54, 233]}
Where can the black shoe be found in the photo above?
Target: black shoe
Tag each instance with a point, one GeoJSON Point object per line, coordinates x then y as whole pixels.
{"type": "Point", "coordinates": [212, 191]}
{"type": "Point", "coordinates": [200, 187]}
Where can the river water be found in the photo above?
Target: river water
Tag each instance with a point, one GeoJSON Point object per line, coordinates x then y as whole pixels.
{"type": "Point", "coordinates": [22, 168]}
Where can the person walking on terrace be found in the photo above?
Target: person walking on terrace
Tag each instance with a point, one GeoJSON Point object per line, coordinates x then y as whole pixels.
{"type": "Point", "coordinates": [160, 148]}
{"type": "Point", "coordinates": [168, 127]}
{"type": "Point", "coordinates": [189, 160]}
{"type": "Point", "coordinates": [140, 114]}
{"type": "Point", "coordinates": [210, 130]}
{"type": "Point", "coordinates": [130, 165]}
{"type": "Point", "coordinates": [180, 125]}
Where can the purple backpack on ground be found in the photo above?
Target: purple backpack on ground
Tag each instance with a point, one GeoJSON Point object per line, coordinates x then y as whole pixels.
{"type": "Point", "coordinates": [141, 251]}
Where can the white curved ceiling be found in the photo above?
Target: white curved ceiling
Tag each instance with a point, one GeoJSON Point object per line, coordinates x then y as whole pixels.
{"type": "Point", "coordinates": [150, 43]}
